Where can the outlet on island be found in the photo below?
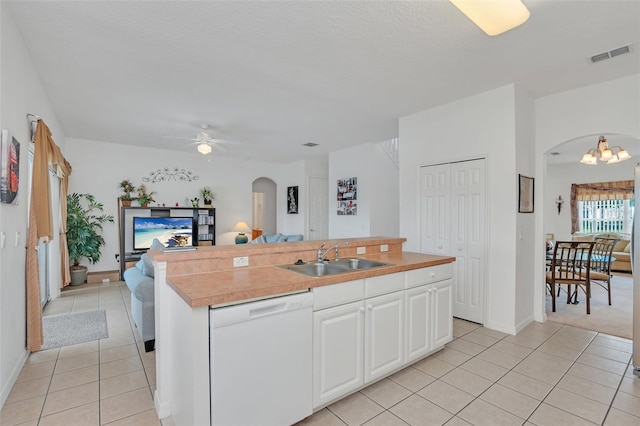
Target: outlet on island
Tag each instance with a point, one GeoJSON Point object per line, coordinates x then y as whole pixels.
{"type": "Point", "coordinates": [240, 261]}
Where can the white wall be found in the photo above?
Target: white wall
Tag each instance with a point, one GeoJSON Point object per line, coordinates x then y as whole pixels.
{"type": "Point", "coordinates": [479, 126]}
{"type": "Point", "coordinates": [525, 222]}
{"type": "Point", "coordinates": [377, 192]}
{"type": "Point", "coordinates": [609, 107]}
{"type": "Point", "coordinates": [98, 167]}
{"type": "Point", "coordinates": [21, 93]}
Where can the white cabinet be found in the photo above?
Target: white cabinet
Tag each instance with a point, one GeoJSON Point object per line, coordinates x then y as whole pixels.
{"type": "Point", "coordinates": [337, 351]}
{"type": "Point", "coordinates": [383, 335]}
{"type": "Point", "coordinates": [428, 310]}
{"type": "Point", "coordinates": [364, 330]}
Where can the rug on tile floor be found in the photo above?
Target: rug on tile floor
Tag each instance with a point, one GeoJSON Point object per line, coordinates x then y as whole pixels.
{"type": "Point", "coordinates": [71, 329]}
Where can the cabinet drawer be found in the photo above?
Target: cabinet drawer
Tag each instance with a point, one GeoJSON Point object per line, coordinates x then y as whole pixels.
{"type": "Point", "coordinates": [337, 294]}
{"type": "Point", "coordinates": [428, 275]}
{"type": "Point", "coordinates": [383, 284]}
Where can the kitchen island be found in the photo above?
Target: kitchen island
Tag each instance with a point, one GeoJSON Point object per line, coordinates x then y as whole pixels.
{"type": "Point", "coordinates": [188, 284]}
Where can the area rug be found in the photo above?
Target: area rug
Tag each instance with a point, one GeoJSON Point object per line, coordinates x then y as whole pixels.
{"type": "Point", "coordinates": [71, 329]}
{"type": "Point", "coordinates": [616, 320]}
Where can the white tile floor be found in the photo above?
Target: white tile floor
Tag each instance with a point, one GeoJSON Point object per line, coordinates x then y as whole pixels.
{"type": "Point", "coordinates": [549, 374]}
{"type": "Point", "coordinates": [108, 381]}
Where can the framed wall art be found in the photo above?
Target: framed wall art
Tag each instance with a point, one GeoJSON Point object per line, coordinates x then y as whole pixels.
{"type": "Point", "coordinates": [347, 197]}
{"type": "Point", "coordinates": [292, 200]}
{"type": "Point", "coordinates": [525, 194]}
{"type": "Point", "coordinates": [10, 169]}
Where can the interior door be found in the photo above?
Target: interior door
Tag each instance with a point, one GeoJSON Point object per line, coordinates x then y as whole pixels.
{"type": "Point", "coordinates": [435, 207]}
{"type": "Point", "coordinates": [318, 208]}
{"type": "Point", "coordinates": [468, 238]}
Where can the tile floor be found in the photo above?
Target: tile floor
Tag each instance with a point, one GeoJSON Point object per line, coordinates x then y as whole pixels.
{"type": "Point", "coordinates": [108, 381]}
{"type": "Point", "coordinates": [549, 374]}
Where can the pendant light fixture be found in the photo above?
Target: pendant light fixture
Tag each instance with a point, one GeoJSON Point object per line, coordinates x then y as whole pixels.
{"type": "Point", "coordinates": [605, 153]}
{"type": "Point", "coordinates": [494, 16]}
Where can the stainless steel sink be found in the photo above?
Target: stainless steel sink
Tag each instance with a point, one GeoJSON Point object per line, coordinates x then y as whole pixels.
{"type": "Point", "coordinates": [355, 263]}
{"type": "Point", "coordinates": [320, 269]}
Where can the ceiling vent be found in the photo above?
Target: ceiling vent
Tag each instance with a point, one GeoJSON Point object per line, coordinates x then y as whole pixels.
{"type": "Point", "coordinates": [310, 144]}
{"type": "Point", "coordinates": [610, 54]}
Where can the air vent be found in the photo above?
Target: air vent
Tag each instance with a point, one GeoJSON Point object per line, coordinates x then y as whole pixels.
{"type": "Point", "coordinates": [611, 54]}
{"type": "Point", "coordinates": [554, 153]}
{"type": "Point", "coordinates": [310, 144]}
{"type": "Point", "coordinates": [619, 51]}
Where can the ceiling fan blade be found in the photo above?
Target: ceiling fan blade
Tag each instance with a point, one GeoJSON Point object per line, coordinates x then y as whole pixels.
{"type": "Point", "coordinates": [178, 137]}
{"type": "Point", "coordinates": [219, 147]}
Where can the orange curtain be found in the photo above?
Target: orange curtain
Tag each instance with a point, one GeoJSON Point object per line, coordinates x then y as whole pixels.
{"type": "Point", "coordinates": [46, 154]}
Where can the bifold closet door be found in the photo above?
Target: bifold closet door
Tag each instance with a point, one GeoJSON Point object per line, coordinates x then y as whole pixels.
{"type": "Point", "coordinates": [468, 198]}
{"type": "Point", "coordinates": [452, 222]}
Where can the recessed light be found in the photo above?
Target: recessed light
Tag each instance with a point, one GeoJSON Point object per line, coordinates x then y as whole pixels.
{"type": "Point", "coordinates": [310, 144]}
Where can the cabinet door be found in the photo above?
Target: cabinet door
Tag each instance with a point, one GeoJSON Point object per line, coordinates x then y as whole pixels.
{"type": "Point", "coordinates": [384, 335]}
{"type": "Point", "coordinates": [337, 351]}
{"type": "Point", "coordinates": [417, 324]}
{"type": "Point", "coordinates": [441, 295]}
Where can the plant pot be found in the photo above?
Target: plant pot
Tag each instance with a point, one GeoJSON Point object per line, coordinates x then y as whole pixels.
{"type": "Point", "coordinates": [126, 203]}
{"type": "Point", "coordinates": [79, 275]}
{"type": "Point", "coordinates": [144, 204]}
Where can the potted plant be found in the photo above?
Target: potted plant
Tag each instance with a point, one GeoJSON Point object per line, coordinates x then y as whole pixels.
{"type": "Point", "coordinates": [127, 188]}
{"type": "Point", "coordinates": [195, 202]}
{"type": "Point", "coordinates": [207, 195]}
{"type": "Point", "coordinates": [144, 197]}
{"type": "Point", "coordinates": [84, 228]}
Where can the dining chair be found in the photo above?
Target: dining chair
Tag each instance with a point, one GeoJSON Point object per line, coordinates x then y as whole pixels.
{"type": "Point", "coordinates": [571, 265]}
{"type": "Point", "coordinates": [601, 259]}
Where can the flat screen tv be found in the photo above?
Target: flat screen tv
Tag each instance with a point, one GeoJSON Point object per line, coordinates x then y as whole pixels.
{"type": "Point", "coordinates": [170, 231]}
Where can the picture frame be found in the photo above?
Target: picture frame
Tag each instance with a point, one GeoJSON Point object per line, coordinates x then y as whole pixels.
{"type": "Point", "coordinates": [292, 200]}
{"type": "Point", "coordinates": [526, 186]}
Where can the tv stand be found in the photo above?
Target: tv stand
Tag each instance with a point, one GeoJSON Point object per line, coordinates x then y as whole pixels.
{"type": "Point", "coordinates": [203, 228]}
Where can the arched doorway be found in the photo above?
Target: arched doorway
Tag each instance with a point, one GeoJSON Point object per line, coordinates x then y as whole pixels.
{"type": "Point", "coordinates": [562, 168]}
{"type": "Point", "coordinates": [264, 205]}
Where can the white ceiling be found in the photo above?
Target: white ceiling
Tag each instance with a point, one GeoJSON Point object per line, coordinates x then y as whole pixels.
{"type": "Point", "coordinates": [276, 74]}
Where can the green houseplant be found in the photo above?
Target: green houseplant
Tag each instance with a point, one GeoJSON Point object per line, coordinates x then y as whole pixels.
{"type": "Point", "coordinates": [84, 229]}
{"type": "Point", "coordinates": [207, 195]}
{"type": "Point", "coordinates": [127, 188]}
{"type": "Point", "coordinates": [144, 197]}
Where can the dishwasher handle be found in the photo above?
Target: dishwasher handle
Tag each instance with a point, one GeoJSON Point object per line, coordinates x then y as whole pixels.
{"type": "Point", "coordinates": [264, 311]}
{"type": "Point", "coordinates": [253, 311]}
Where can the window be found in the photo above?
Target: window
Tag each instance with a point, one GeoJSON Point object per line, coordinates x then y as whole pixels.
{"type": "Point", "coordinates": [606, 216]}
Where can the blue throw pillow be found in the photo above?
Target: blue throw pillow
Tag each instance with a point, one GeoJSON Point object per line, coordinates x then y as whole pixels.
{"type": "Point", "coordinates": [147, 265]}
{"type": "Point", "coordinates": [156, 245]}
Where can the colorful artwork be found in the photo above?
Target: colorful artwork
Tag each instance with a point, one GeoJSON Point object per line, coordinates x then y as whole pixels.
{"type": "Point", "coordinates": [347, 197]}
{"type": "Point", "coordinates": [10, 169]}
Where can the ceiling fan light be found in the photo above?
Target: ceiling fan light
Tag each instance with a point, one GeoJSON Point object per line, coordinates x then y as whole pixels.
{"type": "Point", "coordinates": [494, 16]}
{"type": "Point", "coordinates": [204, 148]}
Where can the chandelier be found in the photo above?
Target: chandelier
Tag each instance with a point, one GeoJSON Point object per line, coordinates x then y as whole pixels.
{"type": "Point", "coordinates": [605, 152]}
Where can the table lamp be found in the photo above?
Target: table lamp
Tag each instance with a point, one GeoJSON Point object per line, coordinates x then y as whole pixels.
{"type": "Point", "coordinates": [241, 227]}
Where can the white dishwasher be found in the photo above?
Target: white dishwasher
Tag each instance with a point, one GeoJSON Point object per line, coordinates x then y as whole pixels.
{"type": "Point", "coordinates": [261, 365]}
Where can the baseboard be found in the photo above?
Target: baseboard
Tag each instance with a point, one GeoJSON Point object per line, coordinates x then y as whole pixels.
{"type": "Point", "coordinates": [6, 387]}
{"type": "Point", "coordinates": [522, 324]}
{"type": "Point", "coordinates": [504, 328]}
{"type": "Point", "coordinates": [163, 409]}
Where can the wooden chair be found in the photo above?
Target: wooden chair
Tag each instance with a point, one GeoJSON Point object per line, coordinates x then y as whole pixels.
{"type": "Point", "coordinates": [571, 265]}
{"type": "Point", "coordinates": [601, 259]}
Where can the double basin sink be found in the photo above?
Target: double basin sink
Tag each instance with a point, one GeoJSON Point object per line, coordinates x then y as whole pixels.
{"type": "Point", "coordinates": [321, 269]}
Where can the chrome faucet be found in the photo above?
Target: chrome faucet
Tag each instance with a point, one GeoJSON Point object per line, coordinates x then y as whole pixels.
{"type": "Point", "coordinates": [322, 254]}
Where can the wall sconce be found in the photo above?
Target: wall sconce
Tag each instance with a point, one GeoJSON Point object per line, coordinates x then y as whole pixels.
{"type": "Point", "coordinates": [559, 203]}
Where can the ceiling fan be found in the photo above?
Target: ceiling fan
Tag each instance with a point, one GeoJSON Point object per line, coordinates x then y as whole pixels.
{"type": "Point", "coordinates": [204, 141]}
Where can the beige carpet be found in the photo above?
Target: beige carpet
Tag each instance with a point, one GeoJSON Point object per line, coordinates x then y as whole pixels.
{"type": "Point", "coordinates": [615, 320]}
